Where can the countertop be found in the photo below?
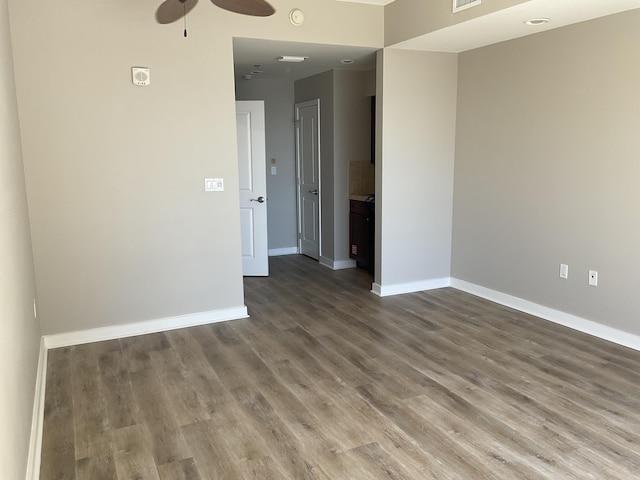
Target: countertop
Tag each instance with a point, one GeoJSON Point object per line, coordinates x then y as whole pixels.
{"type": "Point", "coordinates": [361, 197]}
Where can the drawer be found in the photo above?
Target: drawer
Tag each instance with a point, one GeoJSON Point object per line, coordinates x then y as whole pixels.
{"type": "Point", "coordinates": [365, 208]}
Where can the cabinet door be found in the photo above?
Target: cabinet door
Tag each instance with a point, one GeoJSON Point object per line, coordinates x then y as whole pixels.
{"type": "Point", "coordinates": [360, 243]}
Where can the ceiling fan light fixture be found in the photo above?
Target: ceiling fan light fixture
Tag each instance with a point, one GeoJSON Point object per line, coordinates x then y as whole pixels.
{"type": "Point", "coordinates": [291, 59]}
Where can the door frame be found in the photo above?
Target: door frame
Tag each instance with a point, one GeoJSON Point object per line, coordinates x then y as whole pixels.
{"type": "Point", "coordinates": [297, 107]}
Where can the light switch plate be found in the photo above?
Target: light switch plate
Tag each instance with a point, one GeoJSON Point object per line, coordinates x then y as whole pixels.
{"type": "Point", "coordinates": [564, 270]}
{"type": "Point", "coordinates": [213, 184]}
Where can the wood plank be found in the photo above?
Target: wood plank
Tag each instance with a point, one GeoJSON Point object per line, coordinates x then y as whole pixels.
{"type": "Point", "coordinates": [168, 445]}
{"type": "Point", "coordinates": [133, 457]}
{"type": "Point", "coordinates": [58, 446]}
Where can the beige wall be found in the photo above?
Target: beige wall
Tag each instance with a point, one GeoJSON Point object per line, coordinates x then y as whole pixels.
{"type": "Point", "coordinates": [414, 171]}
{"type": "Point", "coordinates": [547, 169]}
{"type": "Point", "coordinates": [20, 339]}
{"type": "Point", "coordinates": [122, 230]}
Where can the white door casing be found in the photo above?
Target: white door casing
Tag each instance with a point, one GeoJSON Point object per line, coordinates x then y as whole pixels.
{"type": "Point", "coordinates": [308, 177]}
{"type": "Point", "coordinates": [252, 174]}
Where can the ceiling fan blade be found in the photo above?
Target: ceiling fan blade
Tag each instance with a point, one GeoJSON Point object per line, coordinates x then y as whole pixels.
{"type": "Point", "coordinates": [171, 10]}
{"type": "Point", "coordinates": [257, 8]}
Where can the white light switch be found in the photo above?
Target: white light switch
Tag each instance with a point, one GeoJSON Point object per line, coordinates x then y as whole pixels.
{"type": "Point", "coordinates": [213, 184]}
{"type": "Point", "coordinates": [273, 170]}
{"type": "Point", "coordinates": [564, 270]}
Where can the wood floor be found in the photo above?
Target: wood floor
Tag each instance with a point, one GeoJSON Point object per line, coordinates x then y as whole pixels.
{"type": "Point", "coordinates": [328, 381]}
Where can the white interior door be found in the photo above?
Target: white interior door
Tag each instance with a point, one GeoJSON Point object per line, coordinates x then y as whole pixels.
{"type": "Point", "coordinates": [308, 165]}
{"type": "Point", "coordinates": [253, 187]}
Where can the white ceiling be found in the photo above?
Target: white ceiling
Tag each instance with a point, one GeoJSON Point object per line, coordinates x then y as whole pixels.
{"type": "Point", "coordinates": [486, 30]}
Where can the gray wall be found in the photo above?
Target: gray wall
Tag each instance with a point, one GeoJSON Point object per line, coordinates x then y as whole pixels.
{"type": "Point", "coordinates": [352, 142]}
{"type": "Point", "coordinates": [122, 229]}
{"type": "Point", "coordinates": [547, 169]}
{"type": "Point", "coordinates": [280, 144]}
{"type": "Point", "coordinates": [20, 339]}
{"type": "Point", "coordinates": [414, 171]}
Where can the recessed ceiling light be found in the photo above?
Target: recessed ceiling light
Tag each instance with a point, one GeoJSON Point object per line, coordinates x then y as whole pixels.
{"type": "Point", "coordinates": [247, 76]}
{"type": "Point", "coordinates": [534, 22]}
{"type": "Point", "coordinates": [347, 61]}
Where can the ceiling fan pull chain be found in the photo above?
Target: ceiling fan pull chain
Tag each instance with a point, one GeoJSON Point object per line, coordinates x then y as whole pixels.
{"type": "Point", "coordinates": [184, 6]}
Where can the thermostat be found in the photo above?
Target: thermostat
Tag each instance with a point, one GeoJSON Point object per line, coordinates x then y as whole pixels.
{"type": "Point", "coordinates": [140, 76]}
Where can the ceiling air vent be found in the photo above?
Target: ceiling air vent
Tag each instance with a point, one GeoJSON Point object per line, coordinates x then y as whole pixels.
{"type": "Point", "coordinates": [459, 5]}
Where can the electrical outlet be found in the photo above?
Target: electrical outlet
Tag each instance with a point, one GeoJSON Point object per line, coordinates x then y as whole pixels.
{"type": "Point", "coordinates": [564, 270]}
{"type": "Point", "coordinates": [214, 185]}
{"type": "Point", "coordinates": [593, 278]}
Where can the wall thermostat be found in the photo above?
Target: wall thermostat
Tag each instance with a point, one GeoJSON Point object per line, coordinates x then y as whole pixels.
{"type": "Point", "coordinates": [140, 76]}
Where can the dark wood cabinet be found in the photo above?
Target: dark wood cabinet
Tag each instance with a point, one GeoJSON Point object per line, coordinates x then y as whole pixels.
{"type": "Point", "coordinates": [361, 233]}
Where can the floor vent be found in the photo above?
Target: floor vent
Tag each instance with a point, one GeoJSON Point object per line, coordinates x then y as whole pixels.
{"type": "Point", "coordinates": [459, 5]}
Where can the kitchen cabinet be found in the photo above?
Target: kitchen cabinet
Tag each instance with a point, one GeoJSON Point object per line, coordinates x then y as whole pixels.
{"type": "Point", "coordinates": [361, 233]}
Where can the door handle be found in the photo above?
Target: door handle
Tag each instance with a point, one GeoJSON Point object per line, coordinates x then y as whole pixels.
{"type": "Point", "coordinates": [260, 199]}
{"type": "Point", "coordinates": [315, 192]}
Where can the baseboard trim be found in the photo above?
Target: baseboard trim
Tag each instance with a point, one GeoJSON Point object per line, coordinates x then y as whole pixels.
{"type": "Point", "coordinates": [336, 264]}
{"type": "Point", "coordinates": [411, 287]}
{"type": "Point", "coordinates": [556, 316]}
{"type": "Point", "coordinates": [343, 264]}
{"type": "Point", "coordinates": [276, 252]}
{"type": "Point", "coordinates": [325, 262]}
{"type": "Point", "coordinates": [142, 328]}
{"type": "Point", "coordinates": [37, 419]}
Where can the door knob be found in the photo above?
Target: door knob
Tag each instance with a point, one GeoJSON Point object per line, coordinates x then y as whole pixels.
{"type": "Point", "coordinates": [260, 199]}
{"type": "Point", "coordinates": [315, 192]}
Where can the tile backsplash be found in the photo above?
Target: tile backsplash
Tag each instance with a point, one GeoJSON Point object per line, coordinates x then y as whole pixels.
{"type": "Point", "coordinates": [361, 178]}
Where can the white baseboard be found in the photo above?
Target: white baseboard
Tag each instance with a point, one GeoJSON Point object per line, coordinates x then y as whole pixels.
{"type": "Point", "coordinates": [141, 328]}
{"type": "Point", "coordinates": [325, 262]}
{"type": "Point", "coordinates": [400, 288]}
{"type": "Point", "coordinates": [556, 316]}
{"type": "Point", "coordinates": [276, 252]}
{"type": "Point", "coordinates": [336, 264]}
{"type": "Point", "coordinates": [342, 264]}
{"type": "Point", "coordinates": [37, 419]}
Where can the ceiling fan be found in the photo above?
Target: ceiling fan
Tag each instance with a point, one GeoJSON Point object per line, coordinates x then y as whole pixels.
{"type": "Point", "coordinates": [172, 10]}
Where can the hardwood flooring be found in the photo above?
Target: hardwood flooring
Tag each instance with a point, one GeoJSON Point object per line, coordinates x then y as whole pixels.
{"type": "Point", "coordinates": [328, 381]}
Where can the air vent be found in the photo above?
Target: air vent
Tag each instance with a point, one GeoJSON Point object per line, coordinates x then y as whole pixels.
{"type": "Point", "coordinates": [459, 5]}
